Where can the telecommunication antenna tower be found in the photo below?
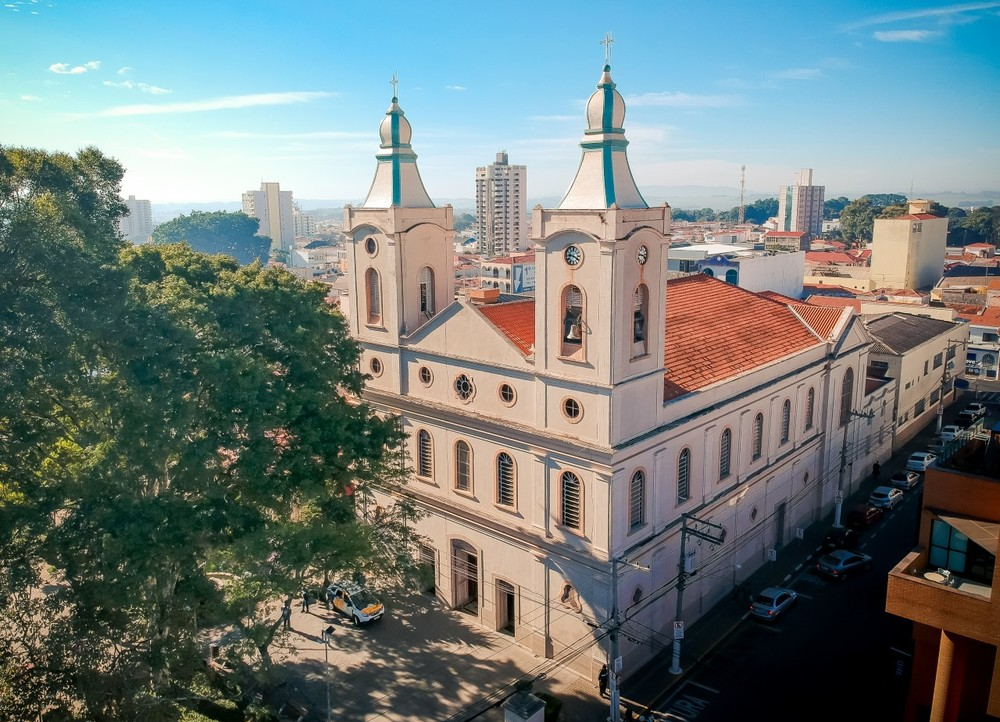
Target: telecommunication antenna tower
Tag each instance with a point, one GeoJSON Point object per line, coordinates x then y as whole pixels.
{"type": "Point", "coordinates": [743, 182]}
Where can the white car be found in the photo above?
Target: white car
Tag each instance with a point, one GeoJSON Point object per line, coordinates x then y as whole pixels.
{"type": "Point", "coordinates": [355, 602]}
{"type": "Point", "coordinates": [886, 497]}
{"type": "Point", "coordinates": [950, 432]}
{"type": "Point", "coordinates": [976, 409]}
{"type": "Point", "coordinates": [920, 460]}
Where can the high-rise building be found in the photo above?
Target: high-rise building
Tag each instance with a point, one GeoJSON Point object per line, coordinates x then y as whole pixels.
{"type": "Point", "coordinates": [305, 225]}
{"type": "Point", "coordinates": [137, 226]}
{"type": "Point", "coordinates": [273, 208]}
{"type": "Point", "coordinates": [501, 193]}
{"type": "Point", "coordinates": [800, 206]}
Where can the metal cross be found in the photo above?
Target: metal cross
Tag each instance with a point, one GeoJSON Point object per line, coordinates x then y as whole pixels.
{"type": "Point", "coordinates": [395, 85]}
{"type": "Point", "coordinates": [607, 48]}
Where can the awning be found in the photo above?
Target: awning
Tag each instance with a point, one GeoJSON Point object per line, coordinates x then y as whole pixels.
{"type": "Point", "coordinates": [982, 533]}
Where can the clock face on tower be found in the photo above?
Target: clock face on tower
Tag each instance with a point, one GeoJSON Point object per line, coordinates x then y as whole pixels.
{"type": "Point", "coordinates": [573, 255]}
{"type": "Point", "coordinates": [641, 255]}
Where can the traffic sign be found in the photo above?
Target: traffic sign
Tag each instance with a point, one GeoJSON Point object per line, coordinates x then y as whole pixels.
{"type": "Point", "coordinates": [678, 630]}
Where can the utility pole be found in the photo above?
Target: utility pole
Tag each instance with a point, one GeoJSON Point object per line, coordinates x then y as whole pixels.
{"type": "Point", "coordinates": [696, 531]}
{"type": "Point", "coordinates": [614, 665]}
{"type": "Point", "coordinates": [838, 509]}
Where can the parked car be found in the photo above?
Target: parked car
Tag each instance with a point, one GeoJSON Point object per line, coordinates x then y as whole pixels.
{"type": "Point", "coordinates": [920, 460]}
{"type": "Point", "coordinates": [905, 480]}
{"type": "Point", "coordinates": [950, 432]}
{"type": "Point", "coordinates": [976, 409]}
{"type": "Point", "coordinates": [886, 497]}
{"type": "Point", "coordinates": [864, 516]}
{"type": "Point", "coordinates": [841, 563]}
{"type": "Point", "coordinates": [771, 603]}
{"type": "Point", "coordinates": [356, 602]}
{"type": "Point", "coordinates": [841, 538]}
{"type": "Point", "coordinates": [966, 419]}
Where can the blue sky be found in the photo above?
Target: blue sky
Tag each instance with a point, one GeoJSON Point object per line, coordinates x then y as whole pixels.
{"type": "Point", "coordinates": [201, 101]}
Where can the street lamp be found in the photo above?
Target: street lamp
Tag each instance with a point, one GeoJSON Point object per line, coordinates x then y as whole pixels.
{"type": "Point", "coordinates": [327, 635]}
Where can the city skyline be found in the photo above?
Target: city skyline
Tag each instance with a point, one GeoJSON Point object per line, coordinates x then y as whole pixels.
{"type": "Point", "coordinates": [201, 102]}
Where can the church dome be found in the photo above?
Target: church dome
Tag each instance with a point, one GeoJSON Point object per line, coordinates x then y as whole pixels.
{"type": "Point", "coordinates": [606, 107]}
{"type": "Point", "coordinates": [395, 121]}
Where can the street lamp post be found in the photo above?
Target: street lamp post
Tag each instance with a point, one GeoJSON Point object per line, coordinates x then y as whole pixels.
{"type": "Point", "coordinates": [327, 635]}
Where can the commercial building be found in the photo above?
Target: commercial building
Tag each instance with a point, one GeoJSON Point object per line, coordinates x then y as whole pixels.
{"type": "Point", "coordinates": [800, 206]}
{"type": "Point", "coordinates": [137, 226]}
{"type": "Point", "coordinates": [570, 448]}
{"type": "Point", "coordinates": [945, 586]}
{"type": "Point", "coordinates": [908, 251]}
{"type": "Point", "coordinates": [501, 208]}
{"type": "Point", "coordinates": [273, 207]}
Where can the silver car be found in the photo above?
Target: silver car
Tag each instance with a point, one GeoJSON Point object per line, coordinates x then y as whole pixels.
{"type": "Point", "coordinates": [771, 603]}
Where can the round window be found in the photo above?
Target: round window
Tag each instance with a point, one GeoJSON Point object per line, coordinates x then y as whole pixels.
{"type": "Point", "coordinates": [507, 395]}
{"type": "Point", "coordinates": [376, 366]}
{"type": "Point", "coordinates": [425, 375]}
{"type": "Point", "coordinates": [464, 387]}
{"type": "Point", "coordinates": [371, 245]}
{"type": "Point", "coordinates": [572, 409]}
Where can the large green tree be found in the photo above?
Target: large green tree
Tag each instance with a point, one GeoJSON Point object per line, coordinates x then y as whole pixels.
{"type": "Point", "coordinates": [233, 234]}
{"type": "Point", "coordinates": [182, 445]}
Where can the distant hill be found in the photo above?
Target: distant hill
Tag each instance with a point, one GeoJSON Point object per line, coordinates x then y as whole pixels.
{"type": "Point", "coordinates": [719, 198]}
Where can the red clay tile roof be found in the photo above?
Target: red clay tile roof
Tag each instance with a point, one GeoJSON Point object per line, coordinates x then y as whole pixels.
{"type": "Point", "coordinates": [515, 320]}
{"type": "Point", "coordinates": [989, 316]}
{"type": "Point", "coordinates": [784, 234]}
{"type": "Point", "coordinates": [779, 297]}
{"type": "Point", "coordinates": [917, 217]}
{"type": "Point", "coordinates": [820, 320]}
{"type": "Point", "coordinates": [834, 302]}
{"type": "Point", "coordinates": [716, 331]}
{"type": "Point", "coordinates": [830, 257]}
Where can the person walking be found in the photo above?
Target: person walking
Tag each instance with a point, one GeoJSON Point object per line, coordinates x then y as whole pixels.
{"type": "Point", "coordinates": [876, 470]}
{"type": "Point", "coordinates": [602, 680]}
{"type": "Point", "coordinates": [286, 615]}
{"type": "Point", "coordinates": [305, 601]}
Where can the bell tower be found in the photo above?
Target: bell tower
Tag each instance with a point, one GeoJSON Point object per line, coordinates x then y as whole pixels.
{"type": "Point", "coordinates": [601, 260]}
{"type": "Point", "coordinates": [400, 245]}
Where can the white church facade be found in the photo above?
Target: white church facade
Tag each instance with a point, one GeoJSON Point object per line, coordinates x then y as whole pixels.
{"type": "Point", "coordinates": [604, 418]}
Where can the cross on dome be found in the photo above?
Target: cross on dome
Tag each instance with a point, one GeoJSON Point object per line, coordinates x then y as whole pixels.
{"type": "Point", "coordinates": [608, 40]}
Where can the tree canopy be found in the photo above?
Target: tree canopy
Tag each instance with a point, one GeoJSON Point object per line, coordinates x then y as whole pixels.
{"type": "Point", "coordinates": [182, 445]}
{"type": "Point", "coordinates": [233, 234]}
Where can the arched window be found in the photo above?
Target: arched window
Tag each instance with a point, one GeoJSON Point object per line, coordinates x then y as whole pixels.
{"type": "Point", "coordinates": [684, 476]}
{"type": "Point", "coordinates": [463, 466]}
{"type": "Point", "coordinates": [426, 281]}
{"type": "Point", "coordinates": [640, 316]}
{"type": "Point", "coordinates": [373, 292]}
{"type": "Point", "coordinates": [573, 325]}
{"type": "Point", "coordinates": [810, 407]}
{"type": "Point", "coordinates": [757, 440]}
{"type": "Point", "coordinates": [571, 500]}
{"type": "Point", "coordinates": [786, 420]}
{"type": "Point", "coordinates": [425, 454]}
{"type": "Point", "coordinates": [847, 397]}
{"type": "Point", "coordinates": [725, 454]}
{"type": "Point", "coordinates": [732, 277]}
{"type": "Point", "coordinates": [709, 272]}
{"type": "Point", "coordinates": [505, 479]}
{"type": "Point", "coordinates": [637, 500]}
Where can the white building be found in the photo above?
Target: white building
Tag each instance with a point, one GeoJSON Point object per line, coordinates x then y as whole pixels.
{"type": "Point", "coordinates": [512, 274]}
{"type": "Point", "coordinates": [273, 208]}
{"type": "Point", "coordinates": [501, 208]}
{"type": "Point", "coordinates": [304, 224]}
{"type": "Point", "coordinates": [758, 271]}
{"type": "Point", "coordinates": [608, 418]}
{"type": "Point", "coordinates": [800, 206]}
{"type": "Point", "coordinates": [137, 226]}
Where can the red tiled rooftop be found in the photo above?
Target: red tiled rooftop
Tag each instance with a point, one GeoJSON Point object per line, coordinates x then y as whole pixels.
{"type": "Point", "coordinates": [716, 331]}
{"type": "Point", "coordinates": [917, 217]}
{"type": "Point", "coordinates": [830, 257]}
{"type": "Point", "coordinates": [834, 302]}
{"type": "Point", "coordinates": [822, 320]}
{"type": "Point", "coordinates": [515, 320]}
{"type": "Point", "coordinates": [784, 234]}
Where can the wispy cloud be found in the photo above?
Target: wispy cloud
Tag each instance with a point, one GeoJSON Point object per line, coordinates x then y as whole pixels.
{"type": "Point", "coordinates": [798, 74]}
{"type": "Point", "coordinates": [231, 102]}
{"type": "Point", "coordinates": [904, 36]}
{"type": "Point", "coordinates": [944, 12]}
{"type": "Point", "coordinates": [67, 69]}
{"type": "Point", "coordinates": [131, 85]}
{"type": "Point", "coordinates": [455, 87]}
{"type": "Point", "coordinates": [30, 98]}
{"type": "Point", "coordinates": [683, 100]}
{"type": "Point", "coordinates": [125, 70]}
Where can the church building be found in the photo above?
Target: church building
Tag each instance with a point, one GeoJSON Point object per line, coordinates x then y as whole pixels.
{"type": "Point", "coordinates": [566, 447]}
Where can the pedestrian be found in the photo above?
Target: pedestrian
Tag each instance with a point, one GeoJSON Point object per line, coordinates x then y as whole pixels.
{"type": "Point", "coordinates": [286, 614]}
{"type": "Point", "coordinates": [875, 470]}
{"type": "Point", "coordinates": [602, 679]}
{"type": "Point", "coordinates": [305, 601]}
